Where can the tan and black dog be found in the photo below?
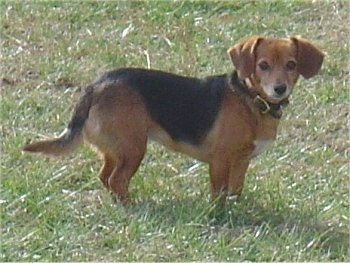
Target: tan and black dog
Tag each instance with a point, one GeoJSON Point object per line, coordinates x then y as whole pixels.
{"type": "Point", "coordinates": [222, 120]}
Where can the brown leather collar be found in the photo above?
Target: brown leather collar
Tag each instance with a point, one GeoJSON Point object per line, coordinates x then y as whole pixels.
{"type": "Point", "coordinates": [264, 106]}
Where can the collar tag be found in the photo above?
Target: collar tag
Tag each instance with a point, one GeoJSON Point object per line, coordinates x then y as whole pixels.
{"type": "Point", "coordinates": [259, 100]}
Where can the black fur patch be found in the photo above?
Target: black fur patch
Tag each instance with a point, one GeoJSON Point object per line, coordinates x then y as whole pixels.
{"type": "Point", "coordinates": [186, 108]}
{"type": "Point", "coordinates": [81, 111]}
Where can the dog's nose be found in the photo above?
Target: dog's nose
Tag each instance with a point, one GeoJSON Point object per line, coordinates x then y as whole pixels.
{"type": "Point", "coordinates": [280, 89]}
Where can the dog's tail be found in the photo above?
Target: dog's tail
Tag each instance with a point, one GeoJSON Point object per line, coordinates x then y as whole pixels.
{"type": "Point", "coordinates": [72, 136]}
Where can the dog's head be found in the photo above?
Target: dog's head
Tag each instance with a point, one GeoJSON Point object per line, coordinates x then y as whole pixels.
{"type": "Point", "coordinates": [274, 65]}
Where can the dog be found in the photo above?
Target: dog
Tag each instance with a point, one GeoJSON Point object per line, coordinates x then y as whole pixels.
{"type": "Point", "coordinates": [222, 120]}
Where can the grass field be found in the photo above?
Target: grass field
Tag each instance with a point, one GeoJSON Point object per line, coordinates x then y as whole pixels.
{"type": "Point", "coordinates": [295, 205]}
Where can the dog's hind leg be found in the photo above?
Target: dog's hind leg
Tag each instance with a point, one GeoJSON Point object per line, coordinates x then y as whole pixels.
{"type": "Point", "coordinates": [126, 166]}
{"type": "Point", "coordinates": [107, 169]}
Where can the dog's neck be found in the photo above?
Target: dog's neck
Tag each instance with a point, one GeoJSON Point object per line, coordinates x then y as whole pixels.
{"type": "Point", "coordinates": [246, 88]}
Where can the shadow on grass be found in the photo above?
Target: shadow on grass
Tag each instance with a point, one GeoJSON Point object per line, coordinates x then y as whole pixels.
{"type": "Point", "coordinates": [236, 218]}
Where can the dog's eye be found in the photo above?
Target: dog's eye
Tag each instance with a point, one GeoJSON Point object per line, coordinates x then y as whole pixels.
{"type": "Point", "coordinates": [264, 66]}
{"type": "Point", "coordinates": [291, 65]}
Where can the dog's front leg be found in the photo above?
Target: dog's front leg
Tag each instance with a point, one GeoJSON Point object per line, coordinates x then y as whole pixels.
{"type": "Point", "coordinates": [219, 178]}
{"type": "Point", "coordinates": [237, 175]}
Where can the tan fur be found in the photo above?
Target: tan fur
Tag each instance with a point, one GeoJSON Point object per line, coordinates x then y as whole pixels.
{"type": "Point", "coordinates": [55, 147]}
{"type": "Point", "coordinates": [71, 138]}
{"type": "Point", "coordinates": [119, 124]}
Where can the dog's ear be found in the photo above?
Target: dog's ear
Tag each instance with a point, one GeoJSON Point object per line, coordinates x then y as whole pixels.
{"type": "Point", "coordinates": [309, 57]}
{"type": "Point", "coordinates": [243, 56]}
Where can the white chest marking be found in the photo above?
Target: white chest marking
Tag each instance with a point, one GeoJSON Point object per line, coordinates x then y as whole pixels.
{"type": "Point", "coordinates": [260, 146]}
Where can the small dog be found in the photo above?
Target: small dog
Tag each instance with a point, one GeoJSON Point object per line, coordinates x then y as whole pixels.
{"type": "Point", "coordinates": [222, 120]}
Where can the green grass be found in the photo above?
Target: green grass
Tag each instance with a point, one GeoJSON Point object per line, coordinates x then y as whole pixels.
{"type": "Point", "coordinates": [295, 205]}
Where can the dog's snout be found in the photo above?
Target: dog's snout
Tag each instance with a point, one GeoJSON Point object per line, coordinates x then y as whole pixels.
{"type": "Point", "coordinates": [280, 89]}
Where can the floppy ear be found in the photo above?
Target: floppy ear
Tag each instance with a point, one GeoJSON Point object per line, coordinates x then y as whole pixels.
{"type": "Point", "coordinates": [243, 56]}
{"type": "Point", "coordinates": [309, 57]}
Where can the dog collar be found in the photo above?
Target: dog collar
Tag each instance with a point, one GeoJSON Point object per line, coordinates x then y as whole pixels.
{"type": "Point", "coordinates": [264, 106]}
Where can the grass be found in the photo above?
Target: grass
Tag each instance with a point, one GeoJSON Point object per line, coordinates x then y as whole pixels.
{"type": "Point", "coordinates": [295, 205]}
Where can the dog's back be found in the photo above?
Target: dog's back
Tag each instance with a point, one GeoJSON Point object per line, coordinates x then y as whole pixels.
{"type": "Point", "coordinates": [185, 107]}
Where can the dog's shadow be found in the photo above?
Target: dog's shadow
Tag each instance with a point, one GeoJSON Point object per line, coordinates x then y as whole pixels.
{"type": "Point", "coordinates": [238, 217]}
